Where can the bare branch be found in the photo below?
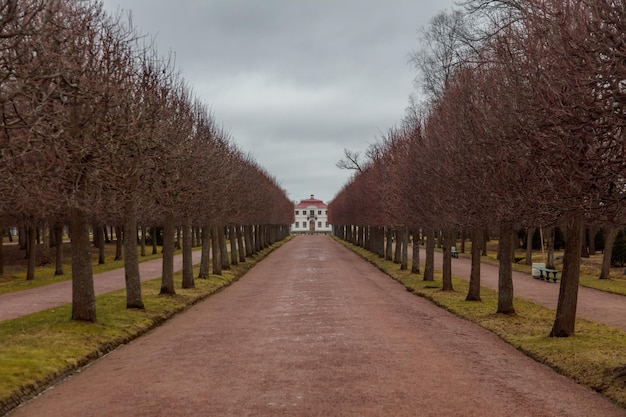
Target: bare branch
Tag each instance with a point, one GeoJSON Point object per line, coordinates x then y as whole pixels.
{"type": "Point", "coordinates": [350, 161]}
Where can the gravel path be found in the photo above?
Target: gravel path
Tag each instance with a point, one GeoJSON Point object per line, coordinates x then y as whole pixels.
{"type": "Point", "coordinates": [313, 330]}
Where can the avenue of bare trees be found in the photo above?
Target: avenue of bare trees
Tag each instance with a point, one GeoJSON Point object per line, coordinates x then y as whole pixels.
{"type": "Point", "coordinates": [97, 129]}
{"type": "Point", "coordinates": [521, 126]}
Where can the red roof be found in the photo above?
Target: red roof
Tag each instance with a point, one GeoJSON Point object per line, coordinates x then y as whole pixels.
{"type": "Point", "coordinates": [311, 202]}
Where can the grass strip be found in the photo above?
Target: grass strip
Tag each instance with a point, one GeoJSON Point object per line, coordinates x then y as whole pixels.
{"type": "Point", "coordinates": [40, 349]}
{"type": "Point", "coordinates": [595, 357]}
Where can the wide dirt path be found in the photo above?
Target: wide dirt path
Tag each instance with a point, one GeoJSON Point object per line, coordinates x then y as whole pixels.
{"type": "Point", "coordinates": [313, 330]}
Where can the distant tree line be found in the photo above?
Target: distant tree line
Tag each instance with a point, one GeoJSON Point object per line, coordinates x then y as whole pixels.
{"type": "Point", "coordinates": [97, 129]}
{"type": "Point", "coordinates": [521, 126]}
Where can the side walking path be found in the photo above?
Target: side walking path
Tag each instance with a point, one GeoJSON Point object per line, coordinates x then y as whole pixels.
{"type": "Point", "coordinates": [21, 303]}
{"type": "Point", "coordinates": [594, 305]}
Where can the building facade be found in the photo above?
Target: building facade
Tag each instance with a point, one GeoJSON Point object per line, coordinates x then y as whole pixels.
{"type": "Point", "coordinates": [311, 216]}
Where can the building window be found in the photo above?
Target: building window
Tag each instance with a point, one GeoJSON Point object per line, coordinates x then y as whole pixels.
{"type": "Point", "coordinates": [312, 212]}
{"type": "Point", "coordinates": [319, 224]}
{"type": "Point", "coordinates": [297, 212]}
{"type": "Point", "coordinates": [319, 211]}
{"type": "Point", "coordinates": [297, 224]}
{"type": "Point", "coordinates": [326, 224]}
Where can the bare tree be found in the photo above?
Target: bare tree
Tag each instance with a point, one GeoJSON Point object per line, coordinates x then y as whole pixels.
{"type": "Point", "coordinates": [351, 160]}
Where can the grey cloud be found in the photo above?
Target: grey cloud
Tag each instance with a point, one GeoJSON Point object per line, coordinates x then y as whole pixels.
{"type": "Point", "coordinates": [295, 82]}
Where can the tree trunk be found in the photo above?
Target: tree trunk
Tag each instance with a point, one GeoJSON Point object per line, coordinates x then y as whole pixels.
{"type": "Point", "coordinates": [550, 249]}
{"type": "Point", "coordinates": [83, 294]}
{"type": "Point", "coordinates": [2, 250]}
{"type": "Point", "coordinates": [484, 242]}
{"type": "Point", "coordinates": [131, 259]}
{"type": "Point", "coordinates": [565, 320]}
{"type": "Point", "coordinates": [167, 275]}
{"type": "Point", "coordinates": [99, 238]}
{"type": "Point", "coordinates": [31, 248]}
{"type": "Point", "coordinates": [143, 240]}
{"type": "Point", "coordinates": [405, 249]}
{"type": "Point", "coordinates": [448, 237]}
{"type": "Point", "coordinates": [254, 233]}
{"type": "Point", "coordinates": [249, 240]}
{"type": "Point", "coordinates": [206, 247]}
{"type": "Point", "coordinates": [119, 239]}
{"type": "Point", "coordinates": [389, 241]}
{"type": "Point", "coordinates": [609, 239]}
{"type": "Point", "coordinates": [529, 246]}
{"type": "Point", "coordinates": [584, 246]}
{"type": "Point", "coordinates": [592, 240]}
{"type": "Point", "coordinates": [505, 273]}
{"type": "Point", "coordinates": [45, 248]}
{"type": "Point", "coordinates": [376, 237]}
{"type": "Point", "coordinates": [397, 255]}
{"type": "Point", "coordinates": [21, 238]}
{"type": "Point", "coordinates": [188, 255]}
{"type": "Point", "coordinates": [473, 294]}
{"type": "Point", "coordinates": [240, 245]}
{"type": "Point", "coordinates": [216, 249]}
{"type": "Point", "coordinates": [429, 267]}
{"type": "Point", "coordinates": [221, 237]}
{"type": "Point", "coordinates": [177, 244]}
{"type": "Point", "coordinates": [58, 231]}
{"type": "Point", "coordinates": [232, 235]}
{"type": "Point", "coordinates": [154, 240]}
{"type": "Point", "coordinates": [415, 263]}
{"type": "Point", "coordinates": [194, 237]}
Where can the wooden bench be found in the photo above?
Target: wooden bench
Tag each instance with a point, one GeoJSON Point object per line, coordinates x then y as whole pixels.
{"type": "Point", "coordinates": [454, 252]}
{"type": "Point", "coordinates": [544, 273]}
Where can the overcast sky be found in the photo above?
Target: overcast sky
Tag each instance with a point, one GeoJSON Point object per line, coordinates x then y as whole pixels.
{"type": "Point", "coordinates": [294, 82]}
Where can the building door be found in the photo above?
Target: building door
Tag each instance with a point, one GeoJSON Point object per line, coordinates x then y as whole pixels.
{"type": "Point", "coordinates": [312, 226]}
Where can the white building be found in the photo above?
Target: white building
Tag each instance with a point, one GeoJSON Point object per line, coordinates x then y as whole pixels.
{"type": "Point", "coordinates": [311, 216]}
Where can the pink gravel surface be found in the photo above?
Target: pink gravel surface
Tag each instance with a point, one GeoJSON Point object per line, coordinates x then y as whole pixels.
{"type": "Point", "coordinates": [313, 330]}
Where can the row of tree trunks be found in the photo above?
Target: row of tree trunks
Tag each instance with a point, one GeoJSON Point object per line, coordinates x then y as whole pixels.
{"type": "Point", "coordinates": [51, 236]}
